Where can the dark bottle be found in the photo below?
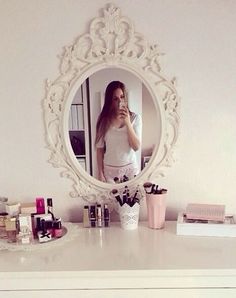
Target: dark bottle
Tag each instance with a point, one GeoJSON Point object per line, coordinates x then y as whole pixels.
{"type": "Point", "coordinates": [106, 216]}
{"type": "Point", "coordinates": [38, 224]}
{"type": "Point", "coordinates": [50, 207]}
{"type": "Point", "coordinates": [93, 216]}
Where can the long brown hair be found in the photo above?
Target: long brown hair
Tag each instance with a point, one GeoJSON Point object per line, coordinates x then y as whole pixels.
{"type": "Point", "coordinates": [105, 117]}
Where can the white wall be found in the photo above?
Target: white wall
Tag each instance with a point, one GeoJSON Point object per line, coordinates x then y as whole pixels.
{"type": "Point", "coordinates": [199, 39]}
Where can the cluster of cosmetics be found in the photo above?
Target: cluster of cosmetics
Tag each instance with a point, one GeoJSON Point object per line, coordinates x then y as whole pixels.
{"type": "Point", "coordinates": [24, 222]}
{"type": "Point", "coordinates": [96, 216]}
{"type": "Point", "coordinates": [121, 179]}
{"type": "Point", "coordinates": [125, 197]}
{"type": "Point", "coordinates": [151, 188]}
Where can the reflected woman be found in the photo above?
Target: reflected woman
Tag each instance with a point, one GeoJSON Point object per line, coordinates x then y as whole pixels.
{"type": "Point", "coordinates": [118, 136]}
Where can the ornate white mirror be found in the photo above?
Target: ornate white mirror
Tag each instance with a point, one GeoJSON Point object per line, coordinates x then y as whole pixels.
{"type": "Point", "coordinates": [86, 107]}
{"type": "Point", "coordinates": [110, 50]}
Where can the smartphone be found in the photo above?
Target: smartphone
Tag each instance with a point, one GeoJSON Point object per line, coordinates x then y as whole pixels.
{"type": "Point", "coordinates": [122, 104]}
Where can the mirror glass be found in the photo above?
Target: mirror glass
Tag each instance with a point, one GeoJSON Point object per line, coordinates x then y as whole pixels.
{"type": "Point", "coordinates": [87, 104]}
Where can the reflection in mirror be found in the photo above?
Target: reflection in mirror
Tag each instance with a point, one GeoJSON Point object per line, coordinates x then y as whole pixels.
{"type": "Point", "coordinates": [87, 105]}
{"type": "Point", "coordinates": [107, 48]}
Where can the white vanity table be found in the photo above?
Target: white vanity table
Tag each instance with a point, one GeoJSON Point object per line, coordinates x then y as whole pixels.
{"type": "Point", "coordinates": [112, 262]}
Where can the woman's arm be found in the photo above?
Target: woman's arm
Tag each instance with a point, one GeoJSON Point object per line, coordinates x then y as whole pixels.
{"type": "Point", "coordinates": [100, 157]}
{"type": "Point", "coordinates": [134, 142]}
{"type": "Point", "coordinates": [133, 138]}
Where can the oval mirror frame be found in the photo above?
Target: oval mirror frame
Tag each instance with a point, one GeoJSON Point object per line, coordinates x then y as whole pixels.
{"type": "Point", "coordinates": [111, 41]}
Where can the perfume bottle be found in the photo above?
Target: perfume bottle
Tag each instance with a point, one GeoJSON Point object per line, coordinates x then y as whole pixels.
{"type": "Point", "coordinates": [11, 229]}
{"type": "Point", "coordinates": [58, 232]}
{"type": "Point", "coordinates": [25, 235]}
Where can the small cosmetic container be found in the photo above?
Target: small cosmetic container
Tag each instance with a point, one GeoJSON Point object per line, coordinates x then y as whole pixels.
{"type": "Point", "coordinates": [99, 216]}
{"type": "Point", "coordinates": [3, 202]}
{"type": "Point", "coordinates": [10, 224]}
{"type": "Point", "coordinates": [13, 209]}
{"type": "Point", "coordinates": [3, 217]}
{"type": "Point", "coordinates": [93, 216]}
{"type": "Point", "coordinates": [40, 206]}
{"type": "Point", "coordinates": [106, 215]}
{"type": "Point", "coordinates": [28, 208]}
{"type": "Point", "coordinates": [86, 221]}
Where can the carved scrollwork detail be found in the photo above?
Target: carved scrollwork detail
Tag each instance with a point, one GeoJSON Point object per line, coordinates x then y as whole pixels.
{"type": "Point", "coordinates": [111, 40]}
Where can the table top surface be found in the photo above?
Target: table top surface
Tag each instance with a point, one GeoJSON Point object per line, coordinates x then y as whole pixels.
{"type": "Point", "coordinates": [113, 248]}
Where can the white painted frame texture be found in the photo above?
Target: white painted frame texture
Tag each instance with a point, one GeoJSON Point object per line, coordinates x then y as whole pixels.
{"type": "Point", "coordinates": [111, 41]}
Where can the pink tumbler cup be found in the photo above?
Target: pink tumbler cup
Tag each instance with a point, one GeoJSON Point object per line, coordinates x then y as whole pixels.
{"type": "Point", "coordinates": [156, 210]}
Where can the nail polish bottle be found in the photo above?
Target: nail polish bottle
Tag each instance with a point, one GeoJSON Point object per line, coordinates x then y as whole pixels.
{"type": "Point", "coordinates": [58, 229]}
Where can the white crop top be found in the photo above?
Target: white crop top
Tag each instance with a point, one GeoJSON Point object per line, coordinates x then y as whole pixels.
{"type": "Point", "coordinates": [118, 151]}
